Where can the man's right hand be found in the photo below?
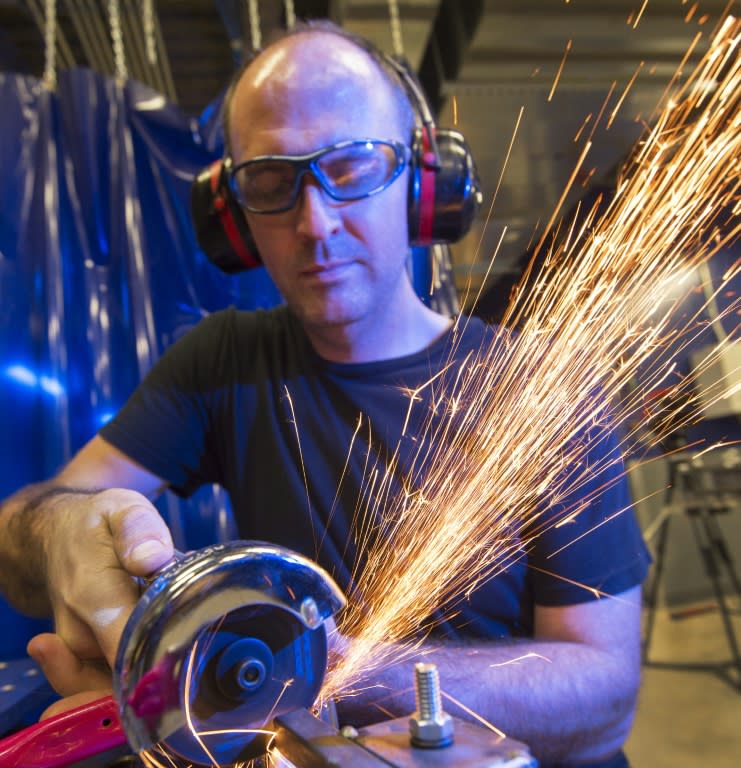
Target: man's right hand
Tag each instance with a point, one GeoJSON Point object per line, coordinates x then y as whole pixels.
{"type": "Point", "coordinates": [96, 545]}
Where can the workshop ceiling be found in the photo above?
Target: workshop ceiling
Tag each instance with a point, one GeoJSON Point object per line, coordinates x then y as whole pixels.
{"type": "Point", "coordinates": [483, 64]}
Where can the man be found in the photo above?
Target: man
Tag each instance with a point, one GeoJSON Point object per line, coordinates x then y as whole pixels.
{"type": "Point", "coordinates": [251, 400]}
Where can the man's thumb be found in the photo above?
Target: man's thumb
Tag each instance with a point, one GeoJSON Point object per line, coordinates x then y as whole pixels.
{"type": "Point", "coordinates": [140, 536]}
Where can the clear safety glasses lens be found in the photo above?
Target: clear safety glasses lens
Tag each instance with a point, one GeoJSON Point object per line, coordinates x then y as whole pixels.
{"type": "Point", "coordinates": [350, 170]}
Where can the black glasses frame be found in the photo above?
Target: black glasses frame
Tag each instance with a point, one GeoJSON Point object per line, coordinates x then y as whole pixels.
{"type": "Point", "coordinates": [304, 164]}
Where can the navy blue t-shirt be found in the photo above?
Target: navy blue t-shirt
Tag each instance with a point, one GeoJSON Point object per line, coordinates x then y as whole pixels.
{"type": "Point", "coordinates": [243, 400]}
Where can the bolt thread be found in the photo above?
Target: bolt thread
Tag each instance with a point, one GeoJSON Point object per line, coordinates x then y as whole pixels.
{"type": "Point", "coordinates": [427, 691]}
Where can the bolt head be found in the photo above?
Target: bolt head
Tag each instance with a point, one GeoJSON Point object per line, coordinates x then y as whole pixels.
{"type": "Point", "coordinates": [310, 613]}
{"type": "Point", "coordinates": [431, 733]}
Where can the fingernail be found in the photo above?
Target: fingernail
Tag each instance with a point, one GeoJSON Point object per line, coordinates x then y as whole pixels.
{"type": "Point", "coordinates": [147, 550]}
{"type": "Point", "coordinates": [34, 653]}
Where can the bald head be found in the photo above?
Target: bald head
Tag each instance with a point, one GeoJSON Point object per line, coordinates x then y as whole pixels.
{"type": "Point", "coordinates": [307, 69]}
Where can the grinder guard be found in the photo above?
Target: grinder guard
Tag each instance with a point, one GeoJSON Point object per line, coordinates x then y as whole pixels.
{"type": "Point", "coordinates": [224, 639]}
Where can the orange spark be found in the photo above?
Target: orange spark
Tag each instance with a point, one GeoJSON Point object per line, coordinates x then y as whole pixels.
{"type": "Point", "coordinates": [624, 94]}
{"type": "Point", "coordinates": [531, 655]}
{"type": "Point", "coordinates": [640, 13]}
{"type": "Point", "coordinates": [303, 466]}
{"type": "Point", "coordinates": [583, 126]}
{"type": "Point", "coordinates": [560, 69]}
{"type": "Point", "coordinates": [602, 109]}
{"type": "Point", "coordinates": [473, 714]}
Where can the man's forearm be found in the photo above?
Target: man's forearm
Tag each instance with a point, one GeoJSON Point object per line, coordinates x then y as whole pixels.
{"type": "Point", "coordinates": [24, 524]}
{"type": "Point", "coordinates": [565, 700]}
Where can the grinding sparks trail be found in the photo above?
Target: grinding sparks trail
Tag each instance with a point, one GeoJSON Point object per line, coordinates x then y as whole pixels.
{"type": "Point", "coordinates": [524, 413]}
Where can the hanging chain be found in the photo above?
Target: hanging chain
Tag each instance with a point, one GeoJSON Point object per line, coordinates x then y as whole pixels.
{"type": "Point", "coordinates": [119, 58]}
{"type": "Point", "coordinates": [148, 26]}
{"type": "Point", "coordinates": [255, 25]}
{"type": "Point", "coordinates": [290, 14]}
{"type": "Point", "coordinates": [50, 44]}
{"type": "Point", "coordinates": [395, 23]}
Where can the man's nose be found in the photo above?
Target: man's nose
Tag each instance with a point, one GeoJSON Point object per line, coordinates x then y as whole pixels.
{"type": "Point", "coordinates": [318, 217]}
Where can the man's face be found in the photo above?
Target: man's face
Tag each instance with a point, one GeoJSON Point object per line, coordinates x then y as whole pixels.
{"type": "Point", "coordinates": [336, 263]}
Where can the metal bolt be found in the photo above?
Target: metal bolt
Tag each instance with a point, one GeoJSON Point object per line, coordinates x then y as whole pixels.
{"type": "Point", "coordinates": [430, 727]}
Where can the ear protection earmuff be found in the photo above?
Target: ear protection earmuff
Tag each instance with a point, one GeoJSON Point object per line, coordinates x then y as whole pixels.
{"type": "Point", "coordinates": [219, 222]}
{"type": "Point", "coordinates": [444, 193]}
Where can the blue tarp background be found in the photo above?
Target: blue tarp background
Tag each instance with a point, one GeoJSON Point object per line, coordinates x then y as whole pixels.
{"type": "Point", "coordinates": [99, 272]}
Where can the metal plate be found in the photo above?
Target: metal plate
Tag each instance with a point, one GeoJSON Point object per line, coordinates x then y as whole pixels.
{"type": "Point", "coordinates": [473, 747]}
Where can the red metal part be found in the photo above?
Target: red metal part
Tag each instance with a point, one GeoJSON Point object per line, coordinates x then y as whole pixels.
{"type": "Point", "coordinates": [65, 739]}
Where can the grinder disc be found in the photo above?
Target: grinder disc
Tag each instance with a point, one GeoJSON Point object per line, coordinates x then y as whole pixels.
{"type": "Point", "coordinates": [256, 663]}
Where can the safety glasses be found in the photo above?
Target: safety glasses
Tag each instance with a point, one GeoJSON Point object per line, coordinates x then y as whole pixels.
{"type": "Point", "coordinates": [348, 170]}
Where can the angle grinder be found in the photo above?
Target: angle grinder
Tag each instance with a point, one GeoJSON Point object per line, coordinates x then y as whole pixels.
{"type": "Point", "coordinates": [223, 640]}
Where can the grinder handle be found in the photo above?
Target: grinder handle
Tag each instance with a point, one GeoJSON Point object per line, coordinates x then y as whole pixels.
{"type": "Point", "coordinates": [66, 738]}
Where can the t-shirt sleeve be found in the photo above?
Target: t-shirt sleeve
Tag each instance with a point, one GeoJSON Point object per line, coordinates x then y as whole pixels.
{"type": "Point", "coordinates": [591, 544]}
{"type": "Point", "coordinates": [168, 422]}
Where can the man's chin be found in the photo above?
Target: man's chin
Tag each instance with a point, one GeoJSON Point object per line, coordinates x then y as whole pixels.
{"type": "Point", "coordinates": [328, 318]}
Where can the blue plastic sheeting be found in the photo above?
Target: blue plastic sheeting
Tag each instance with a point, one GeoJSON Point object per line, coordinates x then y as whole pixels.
{"type": "Point", "coordinates": [99, 272]}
